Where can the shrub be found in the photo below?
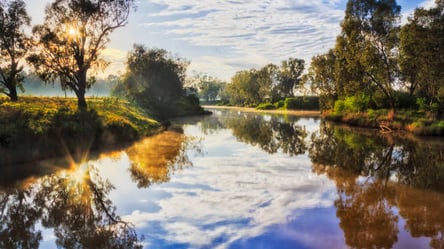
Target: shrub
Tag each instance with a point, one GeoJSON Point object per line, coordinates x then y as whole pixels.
{"type": "Point", "coordinates": [404, 100]}
{"type": "Point", "coordinates": [302, 103]}
{"type": "Point", "coordinates": [266, 106]}
{"type": "Point", "coordinates": [357, 103]}
{"type": "Point", "coordinates": [279, 104]}
{"type": "Point", "coordinates": [339, 106]}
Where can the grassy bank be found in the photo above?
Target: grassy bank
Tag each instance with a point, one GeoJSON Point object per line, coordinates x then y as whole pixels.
{"type": "Point", "coordinates": [38, 127]}
{"type": "Point", "coordinates": [416, 122]}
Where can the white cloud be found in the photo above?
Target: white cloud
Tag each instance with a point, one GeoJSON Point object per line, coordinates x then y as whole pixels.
{"type": "Point", "coordinates": [221, 37]}
{"type": "Point", "coordinates": [232, 195]}
{"type": "Point", "coordinates": [269, 30]}
{"type": "Point", "coordinates": [427, 4]}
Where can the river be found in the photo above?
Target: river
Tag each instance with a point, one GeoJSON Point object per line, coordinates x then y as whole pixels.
{"type": "Point", "coordinates": [234, 180]}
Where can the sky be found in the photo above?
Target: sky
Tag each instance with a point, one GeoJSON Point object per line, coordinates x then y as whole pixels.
{"type": "Point", "coordinates": [221, 37]}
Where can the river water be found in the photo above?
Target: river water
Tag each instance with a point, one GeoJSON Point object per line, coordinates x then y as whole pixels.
{"type": "Point", "coordinates": [235, 180]}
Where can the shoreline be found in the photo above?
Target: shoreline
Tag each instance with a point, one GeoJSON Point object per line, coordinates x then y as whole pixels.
{"type": "Point", "coordinates": [254, 110]}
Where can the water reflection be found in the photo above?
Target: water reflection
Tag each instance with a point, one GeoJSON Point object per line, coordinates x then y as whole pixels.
{"type": "Point", "coordinates": [409, 161]}
{"type": "Point", "coordinates": [271, 133]}
{"type": "Point", "coordinates": [18, 218]}
{"type": "Point", "coordinates": [74, 203]}
{"type": "Point", "coordinates": [154, 159]}
{"type": "Point", "coordinates": [374, 177]}
{"type": "Point", "coordinates": [262, 181]}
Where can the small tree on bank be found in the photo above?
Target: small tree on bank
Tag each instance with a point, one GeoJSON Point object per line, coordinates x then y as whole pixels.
{"type": "Point", "coordinates": [13, 46]}
{"type": "Point", "coordinates": [154, 80]}
{"type": "Point", "coordinates": [71, 39]}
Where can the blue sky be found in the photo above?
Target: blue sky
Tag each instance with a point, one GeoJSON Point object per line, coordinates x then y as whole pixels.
{"type": "Point", "coordinates": [221, 37]}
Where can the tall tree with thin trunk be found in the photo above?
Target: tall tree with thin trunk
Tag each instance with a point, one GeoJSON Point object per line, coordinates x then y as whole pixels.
{"type": "Point", "coordinates": [422, 55]}
{"type": "Point", "coordinates": [71, 39]}
{"type": "Point", "coordinates": [13, 45]}
{"type": "Point", "coordinates": [370, 40]}
{"type": "Point", "coordinates": [290, 76]}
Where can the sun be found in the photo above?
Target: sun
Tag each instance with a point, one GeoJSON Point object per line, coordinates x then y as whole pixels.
{"type": "Point", "coordinates": [72, 32]}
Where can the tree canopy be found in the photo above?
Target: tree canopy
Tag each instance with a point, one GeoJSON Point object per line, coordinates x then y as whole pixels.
{"type": "Point", "coordinates": [377, 63]}
{"type": "Point", "coordinates": [270, 83]}
{"type": "Point", "coordinates": [155, 81]}
{"type": "Point", "coordinates": [14, 45]}
{"type": "Point", "coordinates": [72, 38]}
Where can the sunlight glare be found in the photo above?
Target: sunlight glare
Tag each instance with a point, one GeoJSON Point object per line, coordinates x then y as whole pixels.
{"type": "Point", "coordinates": [79, 172]}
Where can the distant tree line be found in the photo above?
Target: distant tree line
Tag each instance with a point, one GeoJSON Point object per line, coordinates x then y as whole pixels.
{"type": "Point", "coordinates": [379, 63]}
{"type": "Point", "coordinates": [251, 87]}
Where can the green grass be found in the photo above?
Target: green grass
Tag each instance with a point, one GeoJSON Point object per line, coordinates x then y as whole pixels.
{"type": "Point", "coordinates": [408, 120]}
{"type": "Point", "coordinates": [41, 127]}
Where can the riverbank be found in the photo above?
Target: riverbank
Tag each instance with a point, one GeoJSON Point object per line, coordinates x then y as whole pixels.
{"type": "Point", "coordinates": [36, 128]}
{"type": "Point", "coordinates": [388, 121]}
{"type": "Point", "coordinates": [248, 109]}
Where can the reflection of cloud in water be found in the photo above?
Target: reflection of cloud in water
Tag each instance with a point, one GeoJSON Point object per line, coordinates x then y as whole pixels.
{"type": "Point", "coordinates": [239, 195]}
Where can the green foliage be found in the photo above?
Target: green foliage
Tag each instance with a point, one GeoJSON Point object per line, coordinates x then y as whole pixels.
{"type": "Point", "coordinates": [155, 81]}
{"type": "Point", "coordinates": [209, 88]}
{"type": "Point", "coordinates": [48, 126]}
{"type": "Point", "coordinates": [70, 41]}
{"type": "Point", "coordinates": [268, 84]}
{"type": "Point", "coordinates": [279, 104]}
{"type": "Point", "coordinates": [339, 106]}
{"type": "Point", "coordinates": [404, 100]}
{"type": "Point", "coordinates": [266, 106]}
{"type": "Point", "coordinates": [302, 103]}
{"type": "Point", "coordinates": [14, 44]}
{"type": "Point", "coordinates": [421, 59]}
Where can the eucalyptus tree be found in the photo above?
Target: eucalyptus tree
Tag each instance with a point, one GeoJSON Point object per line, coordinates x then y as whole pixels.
{"type": "Point", "coordinates": [369, 45]}
{"type": "Point", "coordinates": [422, 54]}
{"type": "Point", "coordinates": [209, 87]}
{"type": "Point", "coordinates": [14, 45]}
{"type": "Point", "coordinates": [268, 81]}
{"type": "Point", "coordinates": [322, 76]}
{"type": "Point", "coordinates": [290, 76]}
{"type": "Point", "coordinates": [72, 38]}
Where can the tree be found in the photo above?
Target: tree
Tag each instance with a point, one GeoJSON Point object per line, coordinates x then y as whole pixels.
{"type": "Point", "coordinates": [71, 39]}
{"type": "Point", "coordinates": [370, 30]}
{"type": "Point", "coordinates": [209, 87]}
{"type": "Point", "coordinates": [422, 54]}
{"type": "Point", "coordinates": [268, 80]}
{"type": "Point", "coordinates": [244, 88]}
{"type": "Point", "coordinates": [322, 76]}
{"type": "Point", "coordinates": [13, 46]}
{"type": "Point", "coordinates": [290, 76]}
{"type": "Point", "coordinates": [155, 81]}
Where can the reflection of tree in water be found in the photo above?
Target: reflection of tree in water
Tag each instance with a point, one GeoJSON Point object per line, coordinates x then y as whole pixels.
{"type": "Point", "coordinates": [364, 167]}
{"type": "Point", "coordinates": [154, 159]}
{"type": "Point", "coordinates": [364, 209]}
{"type": "Point", "coordinates": [269, 133]}
{"type": "Point", "coordinates": [75, 204]}
{"type": "Point", "coordinates": [17, 219]}
{"type": "Point", "coordinates": [371, 154]}
{"type": "Point", "coordinates": [77, 207]}
{"type": "Point", "coordinates": [423, 212]}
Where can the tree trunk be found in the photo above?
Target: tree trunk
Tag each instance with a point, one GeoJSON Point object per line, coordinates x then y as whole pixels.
{"type": "Point", "coordinates": [81, 102]}
{"type": "Point", "coordinates": [13, 93]}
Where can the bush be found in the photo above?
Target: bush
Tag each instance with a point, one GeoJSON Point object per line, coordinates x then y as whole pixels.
{"type": "Point", "coordinates": [266, 106]}
{"type": "Point", "coordinates": [279, 104]}
{"type": "Point", "coordinates": [357, 103]}
{"type": "Point", "coordinates": [403, 100]}
{"type": "Point", "coordinates": [339, 106]}
{"type": "Point", "coordinates": [302, 103]}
